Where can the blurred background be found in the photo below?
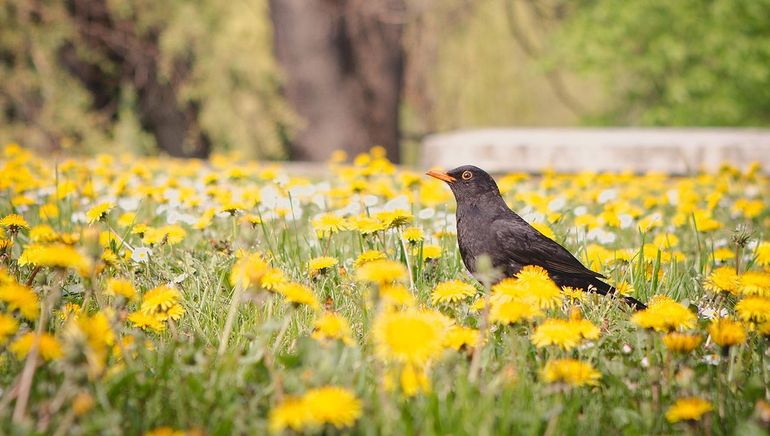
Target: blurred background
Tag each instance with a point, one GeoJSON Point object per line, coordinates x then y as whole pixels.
{"type": "Point", "coordinates": [296, 79]}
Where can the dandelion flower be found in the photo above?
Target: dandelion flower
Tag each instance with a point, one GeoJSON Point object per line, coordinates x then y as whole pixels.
{"type": "Point", "coordinates": [504, 311]}
{"type": "Point", "coordinates": [54, 256]}
{"type": "Point", "coordinates": [414, 235]}
{"type": "Point", "coordinates": [459, 337]}
{"type": "Point", "coordinates": [248, 270]}
{"type": "Point", "coordinates": [8, 326]}
{"type": "Point", "coordinates": [381, 272]}
{"type": "Point", "coordinates": [410, 336]}
{"type": "Point", "coordinates": [333, 405]}
{"type": "Point", "coordinates": [431, 251]}
{"type": "Point", "coordinates": [332, 326]}
{"type": "Point", "coordinates": [726, 333]}
{"type": "Point", "coordinates": [21, 298]}
{"type": "Point", "coordinates": [328, 224]}
{"type": "Point", "coordinates": [145, 321]}
{"type": "Point", "coordinates": [531, 284]}
{"type": "Point", "coordinates": [121, 287]}
{"type": "Point", "coordinates": [99, 212]}
{"type": "Point", "coordinates": [368, 256]}
{"type": "Point", "coordinates": [688, 409]}
{"type": "Point", "coordinates": [395, 218]}
{"type": "Point", "coordinates": [723, 279]}
{"type": "Point", "coordinates": [48, 347]}
{"type": "Point", "coordinates": [563, 333]}
{"type": "Point", "coordinates": [452, 292]}
{"type": "Point", "coordinates": [414, 380]}
{"type": "Point", "coordinates": [664, 314]}
{"type": "Point", "coordinates": [13, 223]}
{"type": "Point", "coordinates": [574, 294]}
{"type": "Point", "coordinates": [681, 342]}
{"type": "Point", "coordinates": [291, 413]}
{"type": "Point", "coordinates": [298, 294]}
{"type": "Point", "coordinates": [396, 295]}
{"type": "Point", "coordinates": [763, 254]}
{"type": "Point", "coordinates": [571, 372]}
{"type": "Point", "coordinates": [755, 283]}
{"type": "Point", "coordinates": [754, 309]}
{"type": "Point", "coordinates": [320, 265]}
{"type": "Point", "coordinates": [273, 279]}
{"type": "Point", "coordinates": [159, 299]}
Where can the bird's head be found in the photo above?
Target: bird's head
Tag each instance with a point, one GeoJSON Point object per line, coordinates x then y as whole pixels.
{"type": "Point", "coordinates": [468, 182]}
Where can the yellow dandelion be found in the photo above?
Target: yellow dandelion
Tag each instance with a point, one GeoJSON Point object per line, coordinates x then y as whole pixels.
{"type": "Point", "coordinates": [332, 326]}
{"type": "Point", "coordinates": [13, 223]}
{"type": "Point", "coordinates": [328, 224]}
{"type": "Point", "coordinates": [681, 342]}
{"type": "Point", "coordinates": [531, 284]}
{"type": "Point", "coordinates": [754, 309]}
{"type": "Point", "coordinates": [452, 291]}
{"type": "Point", "coordinates": [381, 272]}
{"type": "Point", "coordinates": [298, 294]}
{"type": "Point", "coordinates": [723, 279]}
{"type": "Point", "coordinates": [99, 212]}
{"type": "Point", "coordinates": [431, 251]}
{"type": "Point", "coordinates": [506, 311]}
{"type": "Point", "coordinates": [320, 265]}
{"type": "Point", "coordinates": [461, 337]}
{"type": "Point", "coordinates": [414, 235]}
{"type": "Point", "coordinates": [571, 372]}
{"type": "Point", "coordinates": [726, 333]}
{"type": "Point", "coordinates": [396, 295]}
{"type": "Point", "coordinates": [333, 405]}
{"type": "Point", "coordinates": [291, 413]}
{"type": "Point", "coordinates": [121, 287]}
{"type": "Point", "coordinates": [273, 279]}
{"type": "Point", "coordinates": [48, 347]}
{"type": "Point", "coordinates": [664, 314]}
{"type": "Point", "coordinates": [164, 431]}
{"type": "Point", "coordinates": [55, 256]}
{"type": "Point", "coordinates": [755, 283]}
{"type": "Point", "coordinates": [562, 333]}
{"type": "Point", "coordinates": [574, 294]}
{"type": "Point", "coordinates": [159, 300]}
{"type": "Point", "coordinates": [146, 321]}
{"type": "Point", "coordinates": [368, 256]}
{"type": "Point", "coordinates": [21, 298]}
{"type": "Point", "coordinates": [763, 254]}
{"type": "Point", "coordinates": [414, 380]}
{"type": "Point", "coordinates": [395, 218]}
{"type": "Point", "coordinates": [248, 270]}
{"type": "Point", "coordinates": [688, 409]}
{"type": "Point", "coordinates": [8, 326]}
{"type": "Point", "coordinates": [367, 225]}
{"type": "Point", "coordinates": [410, 336]}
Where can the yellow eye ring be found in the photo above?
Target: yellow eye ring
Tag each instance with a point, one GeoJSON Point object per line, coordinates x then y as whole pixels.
{"type": "Point", "coordinates": [467, 175]}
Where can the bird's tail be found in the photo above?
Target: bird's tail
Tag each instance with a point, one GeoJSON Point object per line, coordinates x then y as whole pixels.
{"type": "Point", "coordinates": [602, 288]}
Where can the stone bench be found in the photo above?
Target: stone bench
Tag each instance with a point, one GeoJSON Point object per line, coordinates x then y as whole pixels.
{"type": "Point", "coordinates": [669, 150]}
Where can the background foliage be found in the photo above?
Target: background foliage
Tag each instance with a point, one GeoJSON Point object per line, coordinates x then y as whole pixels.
{"type": "Point", "coordinates": [467, 64]}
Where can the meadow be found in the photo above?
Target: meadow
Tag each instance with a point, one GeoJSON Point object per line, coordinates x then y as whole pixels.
{"type": "Point", "coordinates": [162, 297]}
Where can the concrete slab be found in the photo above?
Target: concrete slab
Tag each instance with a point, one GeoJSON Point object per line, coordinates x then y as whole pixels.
{"type": "Point", "coordinates": [669, 150]}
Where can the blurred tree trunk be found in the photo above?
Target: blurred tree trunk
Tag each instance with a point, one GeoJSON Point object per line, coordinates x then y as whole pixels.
{"type": "Point", "coordinates": [343, 65]}
{"type": "Point", "coordinates": [127, 54]}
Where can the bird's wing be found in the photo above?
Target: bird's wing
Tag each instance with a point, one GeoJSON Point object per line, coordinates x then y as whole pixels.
{"type": "Point", "coordinates": [523, 244]}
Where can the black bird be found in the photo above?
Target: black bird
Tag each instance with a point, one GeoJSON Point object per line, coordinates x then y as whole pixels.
{"type": "Point", "coordinates": [486, 226]}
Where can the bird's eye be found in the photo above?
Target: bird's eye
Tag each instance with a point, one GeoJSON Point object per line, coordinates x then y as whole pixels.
{"type": "Point", "coordinates": [467, 175]}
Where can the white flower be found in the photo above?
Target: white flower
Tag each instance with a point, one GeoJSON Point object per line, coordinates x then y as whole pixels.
{"type": "Point", "coordinates": [426, 213]}
{"type": "Point", "coordinates": [141, 255]}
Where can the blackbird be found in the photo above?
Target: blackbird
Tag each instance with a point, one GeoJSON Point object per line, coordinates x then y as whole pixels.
{"type": "Point", "coordinates": [486, 226]}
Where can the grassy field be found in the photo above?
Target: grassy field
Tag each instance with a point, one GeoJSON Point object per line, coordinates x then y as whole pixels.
{"type": "Point", "coordinates": [154, 296]}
